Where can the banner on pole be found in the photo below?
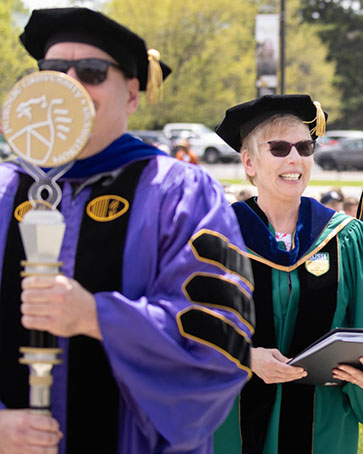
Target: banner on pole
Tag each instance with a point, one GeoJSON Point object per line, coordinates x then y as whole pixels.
{"type": "Point", "coordinates": [267, 53]}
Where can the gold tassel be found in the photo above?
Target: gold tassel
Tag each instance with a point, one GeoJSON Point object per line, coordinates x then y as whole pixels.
{"type": "Point", "coordinates": [154, 86]}
{"type": "Point", "coordinates": [320, 120]}
{"type": "Point", "coordinates": [319, 129]}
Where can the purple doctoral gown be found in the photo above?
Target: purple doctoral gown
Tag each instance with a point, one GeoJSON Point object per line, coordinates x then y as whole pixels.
{"type": "Point", "coordinates": [176, 388]}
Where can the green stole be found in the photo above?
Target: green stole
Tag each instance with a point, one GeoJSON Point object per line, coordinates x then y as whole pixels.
{"type": "Point", "coordinates": [317, 304]}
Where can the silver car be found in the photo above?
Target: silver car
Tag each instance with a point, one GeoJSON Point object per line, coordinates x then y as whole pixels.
{"type": "Point", "coordinates": [344, 154]}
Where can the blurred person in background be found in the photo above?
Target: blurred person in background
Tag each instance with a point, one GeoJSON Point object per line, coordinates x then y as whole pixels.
{"type": "Point", "coordinates": [230, 193]}
{"type": "Point", "coordinates": [333, 199]}
{"type": "Point", "coordinates": [243, 195]}
{"type": "Point", "coordinates": [350, 206]}
{"type": "Point", "coordinates": [184, 152]}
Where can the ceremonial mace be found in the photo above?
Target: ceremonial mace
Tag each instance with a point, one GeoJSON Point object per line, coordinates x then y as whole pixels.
{"type": "Point", "coordinates": [47, 119]}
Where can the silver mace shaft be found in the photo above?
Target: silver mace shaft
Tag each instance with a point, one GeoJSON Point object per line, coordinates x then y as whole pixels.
{"type": "Point", "coordinates": [42, 234]}
{"type": "Point", "coordinates": [42, 230]}
{"type": "Point", "coordinates": [40, 362]}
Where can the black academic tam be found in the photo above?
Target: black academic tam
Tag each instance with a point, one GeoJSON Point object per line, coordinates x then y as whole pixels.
{"type": "Point", "coordinates": [50, 26]}
{"type": "Point", "coordinates": [240, 120]}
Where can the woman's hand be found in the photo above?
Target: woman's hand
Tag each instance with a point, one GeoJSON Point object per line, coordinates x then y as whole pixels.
{"type": "Point", "coordinates": [270, 365]}
{"type": "Point", "coordinates": [349, 374]}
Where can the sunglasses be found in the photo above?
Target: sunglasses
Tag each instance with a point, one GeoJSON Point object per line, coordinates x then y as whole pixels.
{"type": "Point", "coordinates": [281, 148]}
{"type": "Point", "coordinates": [92, 71]}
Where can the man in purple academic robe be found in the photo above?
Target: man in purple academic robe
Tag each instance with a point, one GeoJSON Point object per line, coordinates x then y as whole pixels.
{"type": "Point", "coordinates": [153, 308]}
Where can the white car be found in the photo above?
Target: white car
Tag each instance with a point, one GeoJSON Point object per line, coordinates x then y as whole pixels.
{"type": "Point", "coordinates": [205, 143]}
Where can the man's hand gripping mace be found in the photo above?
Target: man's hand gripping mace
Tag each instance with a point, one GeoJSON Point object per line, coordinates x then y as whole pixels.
{"type": "Point", "coordinates": [42, 231]}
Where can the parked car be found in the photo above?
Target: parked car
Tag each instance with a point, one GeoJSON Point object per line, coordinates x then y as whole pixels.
{"type": "Point", "coordinates": [156, 138]}
{"type": "Point", "coordinates": [206, 144]}
{"type": "Point", "coordinates": [342, 155]}
{"type": "Point", "coordinates": [334, 136]}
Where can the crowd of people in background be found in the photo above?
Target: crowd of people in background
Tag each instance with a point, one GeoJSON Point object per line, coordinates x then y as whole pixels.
{"type": "Point", "coordinates": [334, 198]}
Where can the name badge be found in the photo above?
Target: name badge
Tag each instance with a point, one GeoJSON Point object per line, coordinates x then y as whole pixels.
{"type": "Point", "coordinates": [318, 264]}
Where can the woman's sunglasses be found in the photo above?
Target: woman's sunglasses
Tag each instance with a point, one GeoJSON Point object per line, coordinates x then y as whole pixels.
{"type": "Point", "coordinates": [281, 148]}
{"type": "Point", "coordinates": [92, 71]}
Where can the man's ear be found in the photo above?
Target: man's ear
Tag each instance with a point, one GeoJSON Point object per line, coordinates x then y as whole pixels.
{"type": "Point", "coordinates": [248, 163]}
{"type": "Point", "coordinates": [133, 86]}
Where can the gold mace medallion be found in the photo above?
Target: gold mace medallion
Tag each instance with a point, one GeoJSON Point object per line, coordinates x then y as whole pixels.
{"type": "Point", "coordinates": [47, 118]}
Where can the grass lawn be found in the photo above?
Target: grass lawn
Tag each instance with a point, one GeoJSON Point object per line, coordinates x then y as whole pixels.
{"type": "Point", "coordinates": [330, 183]}
{"type": "Point", "coordinates": [360, 446]}
{"type": "Point", "coordinates": [335, 183]}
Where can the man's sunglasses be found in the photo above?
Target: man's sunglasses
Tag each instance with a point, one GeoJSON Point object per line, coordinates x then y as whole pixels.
{"type": "Point", "coordinates": [281, 148]}
{"type": "Point", "coordinates": [92, 71]}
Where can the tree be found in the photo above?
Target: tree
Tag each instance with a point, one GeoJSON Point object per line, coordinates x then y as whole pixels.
{"type": "Point", "coordinates": [14, 60]}
{"type": "Point", "coordinates": [307, 67]}
{"type": "Point", "coordinates": [209, 47]}
{"type": "Point", "coordinates": [341, 28]}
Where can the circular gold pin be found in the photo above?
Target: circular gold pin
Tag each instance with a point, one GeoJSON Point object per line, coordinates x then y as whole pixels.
{"type": "Point", "coordinates": [47, 118]}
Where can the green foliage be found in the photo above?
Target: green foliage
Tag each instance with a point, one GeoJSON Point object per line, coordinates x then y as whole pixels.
{"type": "Point", "coordinates": [209, 47]}
{"type": "Point", "coordinates": [307, 68]}
{"type": "Point", "coordinates": [211, 50]}
{"type": "Point", "coordinates": [341, 28]}
{"type": "Point", "coordinates": [14, 60]}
